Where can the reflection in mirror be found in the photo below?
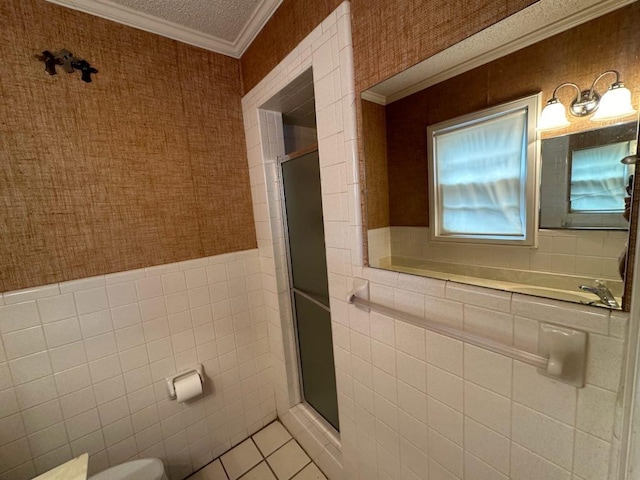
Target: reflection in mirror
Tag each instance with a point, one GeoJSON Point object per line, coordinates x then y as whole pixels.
{"type": "Point", "coordinates": [482, 176]}
{"type": "Point", "coordinates": [584, 182]}
{"type": "Point", "coordinates": [583, 186]}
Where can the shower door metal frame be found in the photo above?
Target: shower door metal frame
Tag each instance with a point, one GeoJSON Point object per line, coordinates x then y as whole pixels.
{"type": "Point", "coordinates": [291, 288]}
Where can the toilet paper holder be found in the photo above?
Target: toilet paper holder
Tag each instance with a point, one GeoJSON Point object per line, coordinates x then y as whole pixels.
{"type": "Point", "coordinates": [171, 381]}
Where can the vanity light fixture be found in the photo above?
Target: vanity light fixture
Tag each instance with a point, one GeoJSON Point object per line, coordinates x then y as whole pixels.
{"type": "Point", "coordinates": [616, 102]}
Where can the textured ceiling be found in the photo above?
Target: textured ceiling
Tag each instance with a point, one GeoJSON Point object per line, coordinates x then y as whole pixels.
{"type": "Point", "coordinates": [219, 18]}
{"type": "Point", "coordinates": [224, 26]}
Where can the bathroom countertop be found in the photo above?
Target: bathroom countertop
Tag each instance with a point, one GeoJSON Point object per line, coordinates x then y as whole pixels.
{"type": "Point", "coordinates": [75, 469]}
{"type": "Point", "coordinates": [538, 284]}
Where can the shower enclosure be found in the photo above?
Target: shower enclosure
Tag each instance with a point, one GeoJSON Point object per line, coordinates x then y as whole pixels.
{"type": "Point", "coordinates": [304, 234]}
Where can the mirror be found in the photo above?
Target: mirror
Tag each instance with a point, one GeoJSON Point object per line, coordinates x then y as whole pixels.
{"type": "Point", "coordinates": [578, 242]}
{"type": "Point", "coordinates": [583, 182]}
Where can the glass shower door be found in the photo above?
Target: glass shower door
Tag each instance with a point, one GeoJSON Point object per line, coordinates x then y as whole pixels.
{"type": "Point", "coordinates": [308, 281]}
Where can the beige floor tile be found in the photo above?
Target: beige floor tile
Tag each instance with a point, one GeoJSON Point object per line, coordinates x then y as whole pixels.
{"type": "Point", "coordinates": [261, 472]}
{"type": "Point", "coordinates": [270, 438]}
{"type": "Point", "coordinates": [310, 472]}
{"type": "Point", "coordinates": [213, 471]}
{"type": "Point", "coordinates": [197, 476]}
{"type": "Point", "coordinates": [288, 461]}
{"type": "Point", "coordinates": [241, 459]}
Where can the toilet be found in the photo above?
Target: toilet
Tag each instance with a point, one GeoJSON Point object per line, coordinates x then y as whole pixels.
{"type": "Point", "coordinates": [144, 469]}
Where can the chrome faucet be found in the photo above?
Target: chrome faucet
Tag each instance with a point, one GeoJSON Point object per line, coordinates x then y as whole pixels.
{"type": "Point", "coordinates": [602, 291]}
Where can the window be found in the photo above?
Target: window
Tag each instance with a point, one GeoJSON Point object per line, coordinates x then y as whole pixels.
{"type": "Point", "coordinates": [482, 170]}
{"type": "Point", "coordinates": [598, 179]}
{"type": "Point", "coordinates": [583, 182]}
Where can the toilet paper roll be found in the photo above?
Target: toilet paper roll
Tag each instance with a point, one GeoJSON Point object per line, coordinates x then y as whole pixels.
{"type": "Point", "coordinates": [188, 387]}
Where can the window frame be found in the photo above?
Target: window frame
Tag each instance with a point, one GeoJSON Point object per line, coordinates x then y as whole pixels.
{"type": "Point", "coordinates": [530, 194]}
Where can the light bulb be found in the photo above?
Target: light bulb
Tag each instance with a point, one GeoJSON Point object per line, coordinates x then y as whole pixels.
{"type": "Point", "coordinates": [553, 115]}
{"type": "Point", "coordinates": [616, 102]}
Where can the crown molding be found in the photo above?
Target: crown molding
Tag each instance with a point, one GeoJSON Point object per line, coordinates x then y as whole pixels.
{"type": "Point", "coordinates": [252, 28]}
{"type": "Point", "coordinates": [374, 97]}
{"type": "Point", "coordinates": [149, 23]}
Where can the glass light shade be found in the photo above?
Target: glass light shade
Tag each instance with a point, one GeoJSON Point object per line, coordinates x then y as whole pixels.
{"type": "Point", "coordinates": [554, 115]}
{"type": "Point", "coordinates": [616, 102]}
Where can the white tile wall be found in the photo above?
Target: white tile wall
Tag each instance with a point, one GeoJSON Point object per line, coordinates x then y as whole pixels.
{"type": "Point", "coordinates": [379, 246]}
{"type": "Point", "coordinates": [82, 365]}
{"type": "Point", "coordinates": [590, 253]}
{"type": "Point", "coordinates": [447, 411]}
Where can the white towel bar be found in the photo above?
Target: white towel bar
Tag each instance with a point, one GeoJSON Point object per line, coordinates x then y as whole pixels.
{"type": "Point", "coordinates": [562, 351]}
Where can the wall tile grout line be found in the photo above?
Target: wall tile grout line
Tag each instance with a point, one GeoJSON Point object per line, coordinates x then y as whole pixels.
{"type": "Point", "coordinates": [137, 410]}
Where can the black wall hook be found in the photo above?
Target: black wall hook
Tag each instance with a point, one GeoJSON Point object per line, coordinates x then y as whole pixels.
{"type": "Point", "coordinates": [50, 61]}
{"type": "Point", "coordinates": [69, 63]}
{"type": "Point", "coordinates": [85, 69]}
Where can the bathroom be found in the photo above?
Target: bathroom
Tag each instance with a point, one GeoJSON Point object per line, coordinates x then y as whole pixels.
{"type": "Point", "coordinates": [142, 236]}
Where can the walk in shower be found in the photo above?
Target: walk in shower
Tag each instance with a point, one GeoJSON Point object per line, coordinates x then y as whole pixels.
{"type": "Point", "coordinates": [304, 235]}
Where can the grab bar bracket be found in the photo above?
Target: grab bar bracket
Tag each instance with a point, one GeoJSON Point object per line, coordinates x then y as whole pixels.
{"type": "Point", "coordinates": [361, 290]}
{"type": "Point", "coordinates": [567, 352]}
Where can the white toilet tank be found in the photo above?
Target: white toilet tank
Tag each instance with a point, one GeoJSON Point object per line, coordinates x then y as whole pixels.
{"type": "Point", "coordinates": [145, 469]}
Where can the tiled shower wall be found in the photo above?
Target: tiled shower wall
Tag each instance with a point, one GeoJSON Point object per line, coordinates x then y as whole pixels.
{"type": "Point", "coordinates": [325, 50]}
{"type": "Point", "coordinates": [573, 252]}
{"type": "Point", "coordinates": [415, 405]}
{"type": "Point", "coordinates": [82, 366]}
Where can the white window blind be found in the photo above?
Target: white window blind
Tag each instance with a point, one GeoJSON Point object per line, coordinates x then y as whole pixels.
{"type": "Point", "coordinates": [482, 175]}
{"type": "Point", "coordinates": [598, 179]}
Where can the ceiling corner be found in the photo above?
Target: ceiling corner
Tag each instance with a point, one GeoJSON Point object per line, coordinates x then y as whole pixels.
{"type": "Point", "coordinates": [133, 18]}
{"type": "Point", "coordinates": [252, 28]}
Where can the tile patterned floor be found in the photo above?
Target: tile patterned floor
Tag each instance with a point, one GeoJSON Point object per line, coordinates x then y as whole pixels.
{"type": "Point", "coordinates": [270, 454]}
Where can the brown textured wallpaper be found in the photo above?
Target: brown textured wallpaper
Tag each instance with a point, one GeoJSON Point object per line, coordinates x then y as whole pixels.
{"type": "Point", "coordinates": [292, 21]}
{"type": "Point", "coordinates": [375, 124]}
{"type": "Point", "coordinates": [391, 35]}
{"type": "Point", "coordinates": [388, 35]}
{"type": "Point", "coordinates": [540, 67]}
{"type": "Point", "coordinates": [144, 166]}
